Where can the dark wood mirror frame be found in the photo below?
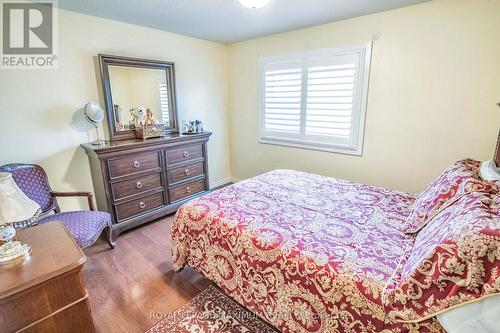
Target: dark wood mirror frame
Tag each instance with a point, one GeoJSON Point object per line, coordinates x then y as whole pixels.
{"type": "Point", "coordinates": [496, 158]}
{"type": "Point", "coordinates": [106, 60]}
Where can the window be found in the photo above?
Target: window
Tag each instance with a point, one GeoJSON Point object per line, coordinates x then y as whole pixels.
{"type": "Point", "coordinates": [316, 99]}
{"type": "Point", "coordinates": [165, 113]}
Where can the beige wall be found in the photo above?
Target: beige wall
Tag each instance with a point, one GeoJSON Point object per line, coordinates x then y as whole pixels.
{"type": "Point", "coordinates": [38, 106]}
{"type": "Point", "coordinates": [433, 87]}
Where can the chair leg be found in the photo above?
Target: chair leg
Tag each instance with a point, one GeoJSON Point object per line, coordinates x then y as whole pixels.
{"type": "Point", "coordinates": [111, 241]}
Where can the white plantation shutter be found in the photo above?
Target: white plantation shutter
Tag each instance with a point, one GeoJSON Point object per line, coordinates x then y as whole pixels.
{"type": "Point", "coordinates": [165, 114]}
{"type": "Point", "coordinates": [331, 87]}
{"type": "Point", "coordinates": [282, 99]}
{"type": "Point", "coordinates": [316, 99]}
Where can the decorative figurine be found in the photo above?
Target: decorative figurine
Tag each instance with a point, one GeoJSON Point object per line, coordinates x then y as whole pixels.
{"type": "Point", "coordinates": [192, 127]}
{"type": "Point", "coordinates": [147, 125]}
{"type": "Point", "coordinates": [198, 126]}
{"type": "Point", "coordinates": [149, 118]}
{"type": "Point", "coordinates": [138, 117]}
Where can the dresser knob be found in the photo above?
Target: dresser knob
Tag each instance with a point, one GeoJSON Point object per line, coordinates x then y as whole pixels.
{"type": "Point", "coordinates": [186, 154]}
{"type": "Point", "coordinates": [142, 205]}
{"type": "Point", "coordinates": [138, 185]}
{"type": "Point", "coordinates": [188, 189]}
{"type": "Point", "coordinates": [137, 164]}
{"type": "Point", "coordinates": [187, 172]}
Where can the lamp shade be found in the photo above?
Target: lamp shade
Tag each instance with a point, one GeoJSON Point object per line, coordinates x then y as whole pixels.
{"type": "Point", "coordinates": [15, 206]}
{"type": "Point", "coordinates": [254, 4]}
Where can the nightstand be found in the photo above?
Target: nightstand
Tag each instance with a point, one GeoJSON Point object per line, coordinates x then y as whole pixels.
{"type": "Point", "coordinates": [45, 292]}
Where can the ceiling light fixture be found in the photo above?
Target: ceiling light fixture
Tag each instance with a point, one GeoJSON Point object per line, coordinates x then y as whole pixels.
{"type": "Point", "coordinates": [254, 4]}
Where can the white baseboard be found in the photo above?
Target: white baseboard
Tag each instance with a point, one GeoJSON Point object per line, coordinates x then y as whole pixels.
{"type": "Point", "coordinates": [218, 183]}
{"type": "Point", "coordinates": [225, 181]}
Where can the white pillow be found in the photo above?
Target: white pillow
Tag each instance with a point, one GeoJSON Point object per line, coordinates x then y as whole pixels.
{"type": "Point", "coordinates": [489, 171]}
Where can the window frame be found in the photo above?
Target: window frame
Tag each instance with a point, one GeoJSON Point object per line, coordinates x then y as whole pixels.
{"type": "Point", "coordinates": [354, 146]}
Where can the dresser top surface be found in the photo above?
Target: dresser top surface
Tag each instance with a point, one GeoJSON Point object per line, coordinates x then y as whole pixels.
{"type": "Point", "coordinates": [54, 253]}
{"type": "Point", "coordinates": [137, 143]}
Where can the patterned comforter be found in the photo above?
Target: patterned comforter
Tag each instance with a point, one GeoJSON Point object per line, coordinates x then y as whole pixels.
{"type": "Point", "coordinates": [305, 252]}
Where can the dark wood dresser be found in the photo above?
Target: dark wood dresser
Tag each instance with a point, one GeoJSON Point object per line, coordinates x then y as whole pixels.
{"type": "Point", "coordinates": [45, 292]}
{"type": "Point", "coordinates": [138, 181]}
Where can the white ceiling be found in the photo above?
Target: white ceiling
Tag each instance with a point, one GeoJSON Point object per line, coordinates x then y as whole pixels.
{"type": "Point", "coordinates": [226, 21]}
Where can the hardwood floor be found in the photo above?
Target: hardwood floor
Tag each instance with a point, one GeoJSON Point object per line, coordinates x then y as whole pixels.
{"type": "Point", "coordinates": [131, 285]}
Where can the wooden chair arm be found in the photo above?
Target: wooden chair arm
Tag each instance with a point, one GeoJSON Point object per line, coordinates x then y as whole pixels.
{"type": "Point", "coordinates": [77, 194]}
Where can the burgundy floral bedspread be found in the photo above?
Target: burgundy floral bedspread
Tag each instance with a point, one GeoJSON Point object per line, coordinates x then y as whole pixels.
{"type": "Point", "coordinates": [454, 260]}
{"type": "Point", "coordinates": [307, 253]}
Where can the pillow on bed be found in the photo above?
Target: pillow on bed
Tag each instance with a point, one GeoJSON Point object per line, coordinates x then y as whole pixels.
{"type": "Point", "coordinates": [454, 260]}
{"type": "Point", "coordinates": [456, 181]}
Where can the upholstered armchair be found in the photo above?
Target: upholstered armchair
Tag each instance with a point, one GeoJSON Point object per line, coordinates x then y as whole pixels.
{"type": "Point", "coordinates": [84, 226]}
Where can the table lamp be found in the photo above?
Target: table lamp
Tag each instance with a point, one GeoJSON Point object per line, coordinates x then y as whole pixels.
{"type": "Point", "coordinates": [15, 206]}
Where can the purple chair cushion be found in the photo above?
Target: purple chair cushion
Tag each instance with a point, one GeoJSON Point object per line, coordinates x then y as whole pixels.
{"type": "Point", "coordinates": [84, 226]}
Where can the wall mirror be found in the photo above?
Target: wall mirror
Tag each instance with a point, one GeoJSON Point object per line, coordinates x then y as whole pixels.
{"type": "Point", "coordinates": [131, 86]}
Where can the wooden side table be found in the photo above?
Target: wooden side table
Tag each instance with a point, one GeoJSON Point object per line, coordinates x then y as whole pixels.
{"type": "Point", "coordinates": [45, 292]}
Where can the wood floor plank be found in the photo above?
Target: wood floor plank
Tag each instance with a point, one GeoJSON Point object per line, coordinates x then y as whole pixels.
{"type": "Point", "coordinates": [132, 285]}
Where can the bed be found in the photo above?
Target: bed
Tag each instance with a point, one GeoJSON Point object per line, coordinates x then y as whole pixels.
{"type": "Point", "coordinates": [309, 253]}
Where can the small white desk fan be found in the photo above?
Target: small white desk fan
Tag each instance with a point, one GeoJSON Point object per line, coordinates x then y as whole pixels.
{"type": "Point", "coordinates": [94, 114]}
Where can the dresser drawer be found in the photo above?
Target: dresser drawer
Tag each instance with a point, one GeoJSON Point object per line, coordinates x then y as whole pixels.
{"type": "Point", "coordinates": [135, 186]}
{"type": "Point", "coordinates": [185, 172]}
{"type": "Point", "coordinates": [184, 154]}
{"type": "Point", "coordinates": [182, 191]}
{"type": "Point", "coordinates": [133, 164]}
{"type": "Point", "coordinates": [139, 206]}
